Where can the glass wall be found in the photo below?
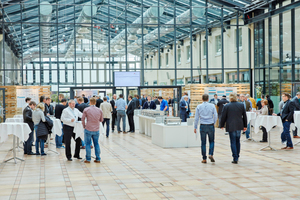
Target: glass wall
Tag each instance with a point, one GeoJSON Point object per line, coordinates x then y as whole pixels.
{"type": "Point", "coordinates": [277, 53]}
{"type": "Point", "coordinates": [82, 43]}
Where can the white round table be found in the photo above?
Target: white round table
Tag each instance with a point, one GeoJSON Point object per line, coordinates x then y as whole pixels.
{"type": "Point", "coordinates": [297, 122]}
{"type": "Point", "coordinates": [14, 120]}
{"type": "Point", "coordinates": [56, 129]}
{"type": "Point", "coordinates": [18, 116]}
{"type": "Point", "coordinates": [268, 122]}
{"type": "Point", "coordinates": [251, 117]}
{"type": "Point", "coordinates": [79, 130]}
{"type": "Point", "coordinates": [19, 130]}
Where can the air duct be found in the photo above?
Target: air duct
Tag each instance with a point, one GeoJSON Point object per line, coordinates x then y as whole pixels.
{"type": "Point", "coordinates": [151, 13]}
{"type": "Point", "coordinates": [184, 18]}
{"type": "Point", "coordinates": [88, 11]}
{"type": "Point", "coordinates": [45, 17]}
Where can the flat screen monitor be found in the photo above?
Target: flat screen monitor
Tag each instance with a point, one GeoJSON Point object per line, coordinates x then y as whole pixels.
{"type": "Point", "coordinates": [127, 79]}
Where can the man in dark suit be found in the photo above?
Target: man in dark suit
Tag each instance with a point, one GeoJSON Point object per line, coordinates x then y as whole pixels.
{"type": "Point", "coordinates": [214, 100]}
{"type": "Point", "coordinates": [143, 100]}
{"type": "Point", "coordinates": [184, 109]}
{"type": "Point", "coordinates": [85, 100]}
{"type": "Point", "coordinates": [149, 104]}
{"type": "Point", "coordinates": [49, 107]}
{"type": "Point", "coordinates": [296, 101]}
{"type": "Point", "coordinates": [234, 115]}
{"type": "Point", "coordinates": [114, 112]}
{"type": "Point", "coordinates": [81, 106]}
{"type": "Point", "coordinates": [58, 111]}
{"type": "Point", "coordinates": [221, 104]}
{"type": "Point", "coordinates": [130, 113]}
{"type": "Point", "coordinates": [98, 102]}
{"type": "Point", "coordinates": [287, 118]}
{"type": "Point", "coordinates": [136, 102]}
{"type": "Point", "coordinates": [270, 104]}
{"type": "Point", "coordinates": [156, 101]}
{"type": "Point", "coordinates": [27, 117]}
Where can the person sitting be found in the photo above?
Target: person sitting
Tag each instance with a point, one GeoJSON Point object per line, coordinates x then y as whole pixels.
{"type": "Point", "coordinates": [264, 111]}
{"type": "Point", "coordinates": [149, 104]}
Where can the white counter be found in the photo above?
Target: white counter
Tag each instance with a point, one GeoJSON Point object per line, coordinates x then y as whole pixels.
{"type": "Point", "coordinates": [145, 123]}
{"type": "Point", "coordinates": [174, 136]}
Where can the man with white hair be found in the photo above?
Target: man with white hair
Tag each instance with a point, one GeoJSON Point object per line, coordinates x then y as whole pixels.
{"type": "Point", "coordinates": [69, 117]}
{"type": "Point", "coordinates": [184, 109]}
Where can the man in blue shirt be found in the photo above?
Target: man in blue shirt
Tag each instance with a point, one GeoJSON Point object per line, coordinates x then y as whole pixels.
{"type": "Point", "coordinates": [208, 116]}
{"type": "Point", "coordinates": [121, 106]}
{"type": "Point", "coordinates": [163, 104]}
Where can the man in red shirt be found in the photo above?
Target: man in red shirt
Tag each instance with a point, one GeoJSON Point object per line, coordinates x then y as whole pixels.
{"type": "Point", "coordinates": [94, 116]}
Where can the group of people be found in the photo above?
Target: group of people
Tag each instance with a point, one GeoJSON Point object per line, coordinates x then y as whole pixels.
{"type": "Point", "coordinates": [91, 112]}
{"type": "Point", "coordinates": [232, 116]}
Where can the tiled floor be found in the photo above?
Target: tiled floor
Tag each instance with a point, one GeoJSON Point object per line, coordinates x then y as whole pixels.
{"type": "Point", "coordinates": [133, 168]}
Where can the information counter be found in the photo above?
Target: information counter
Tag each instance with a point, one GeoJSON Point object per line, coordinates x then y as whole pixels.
{"type": "Point", "coordinates": [179, 136]}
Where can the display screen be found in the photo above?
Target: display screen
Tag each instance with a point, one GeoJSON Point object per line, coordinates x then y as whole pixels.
{"type": "Point", "coordinates": [127, 79]}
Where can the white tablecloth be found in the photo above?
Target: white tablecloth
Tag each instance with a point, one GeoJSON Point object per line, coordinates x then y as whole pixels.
{"type": "Point", "coordinates": [79, 130]}
{"type": "Point", "coordinates": [297, 120]}
{"type": "Point", "coordinates": [56, 129]}
{"type": "Point", "coordinates": [14, 120]}
{"type": "Point", "coordinates": [21, 130]}
{"type": "Point", "coordinates": [268, 122]}
{"type": "Point", "coordinates": [18, 116]}
{"type": "Point", "coordinates": [251, 116]}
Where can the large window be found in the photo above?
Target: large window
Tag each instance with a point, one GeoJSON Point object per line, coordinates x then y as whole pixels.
{"type": "Point", "coordinates": [239, 34]}
{"type": "Point", "coordinates": [204, 48]}
{"type": "Point", "coordinates": [218, 43]}
{"type": "Point", "coordinates": [179, 56]}
{"type": "Point", "coordinates": [188, 53]}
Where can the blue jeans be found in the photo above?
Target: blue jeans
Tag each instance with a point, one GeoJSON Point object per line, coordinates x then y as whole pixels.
{"type": "Point", "coordinates": [248, 131]}
{"type": "Point", "coordinates": [208, 130]}
{"type": "Point", "coordinates": [121, 115]}
{"type": "Point", "coordinates": [285, 135]}
{"type": "Point", "coordinates": [88, 136]}
{"type": "Point", "coordinates": [27, 144]}
{"type": "Point", "coordinates": [235, 144]}
{"type": "Point", "coordinates": [58, 139]}
{"type": "Point", "coordinates": [106, 120]}
{"type": "Point", "coordinates": [38, 141]}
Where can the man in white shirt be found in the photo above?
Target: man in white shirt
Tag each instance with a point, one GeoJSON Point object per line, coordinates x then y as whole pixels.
{"type": "Point", "coordinates": [27, 100]}
{"type": "Point", "coordinates": [69, 117]}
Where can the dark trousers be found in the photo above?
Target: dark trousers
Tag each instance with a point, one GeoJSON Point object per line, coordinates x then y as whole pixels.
{"type": "Point", "coordinates": [265, 134]}
{"type": "Point", "coordinates": [183, 117]}
{"type": "Point", "coordinates": [235, 144]}
{"type": "Point", "coordinates": [106, 121]}
{"type": "Point", "coordinates": [295, 132]}
{"type": "Point", "coordinates": [68, 134]}
{"type": "Point", "coordinates": [209, 130]}
{"type": "Point", "coordinates": [28, 144]}
{"type": "Point", "coordinates": [285, 135]}
{"type": "Point", "coordinates": [131, 123]}
{"type": "Point", "coordinates": [113, 121]}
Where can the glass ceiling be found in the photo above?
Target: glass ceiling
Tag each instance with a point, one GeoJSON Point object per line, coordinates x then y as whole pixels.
{"type": "Point", "coordinates": [28, 27]}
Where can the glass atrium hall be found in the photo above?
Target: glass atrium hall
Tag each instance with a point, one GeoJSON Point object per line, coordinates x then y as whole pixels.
{"type": "Point", "coordinates": [81, 43]}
